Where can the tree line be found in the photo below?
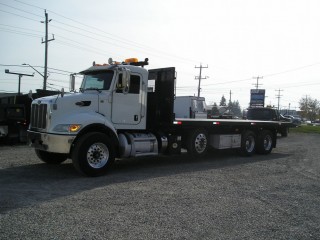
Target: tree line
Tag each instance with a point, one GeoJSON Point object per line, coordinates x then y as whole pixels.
{"type": "Point", "coordinates": [309, 108]}
{"type": "Point", "coordinates": [232, 108]}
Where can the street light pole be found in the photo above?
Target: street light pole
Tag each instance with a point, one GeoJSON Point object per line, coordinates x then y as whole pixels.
{"type": "Point", "coordinates": [45, 75]}
{"type": "Point", "coordinates": [33, 69]}
{"type": "Point", "coordinates": [20, 76]}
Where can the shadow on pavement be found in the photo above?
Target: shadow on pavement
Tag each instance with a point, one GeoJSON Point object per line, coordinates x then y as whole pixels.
{"type": "Point", "coordinates": [33, 184]}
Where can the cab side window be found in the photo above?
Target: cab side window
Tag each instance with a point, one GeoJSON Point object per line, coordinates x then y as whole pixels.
{"type": "Point", "coordinates": [134, 84]}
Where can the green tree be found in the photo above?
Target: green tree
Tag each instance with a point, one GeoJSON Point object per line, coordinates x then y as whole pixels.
{"type": "Point", "coordinates": [215, 110]}
{"type": "Point", "coordinates": [223, 101]}
{"type": "Point", "coordinates": [310, 108]}
{"type": "Point", "coordinates": [235, 109]}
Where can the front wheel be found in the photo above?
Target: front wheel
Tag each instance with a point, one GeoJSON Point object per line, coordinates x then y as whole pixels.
{"type": "Point", "coordinates": [93, 154]}
{"type": "Point", "coordinates": [197, 143]}
{"type": "Point", "coordinates": [51, 158]}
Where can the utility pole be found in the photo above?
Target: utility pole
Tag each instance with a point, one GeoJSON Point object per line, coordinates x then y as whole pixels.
{"type": "Point", "coordinates": [45, 75]}
{"type": "Point", "coordinates": [230, 96]}
{"type": "Point", "coordinates": [257, 84]}
{"type": "Point", "coordinates": [279, 96]}
{"type": "Point", "coordinates": [20, 76]}
{"type": "Point", "coordinates": [199, 78]}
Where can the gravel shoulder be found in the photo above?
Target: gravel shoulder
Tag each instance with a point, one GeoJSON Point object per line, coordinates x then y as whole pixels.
{"type": "Point", "coordinates": [222, 196]}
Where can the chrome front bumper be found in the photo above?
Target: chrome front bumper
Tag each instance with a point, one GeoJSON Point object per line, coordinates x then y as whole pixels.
{"type": "Point", "coordinates": [50, 142]}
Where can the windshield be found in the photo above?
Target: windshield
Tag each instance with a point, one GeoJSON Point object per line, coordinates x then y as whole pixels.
{"type": "Point", "coordinates": [260, 114]}
{"type": "Point", "coordinates": [97, 80]}
{"type": "Point", "coordinates": [199, 105]}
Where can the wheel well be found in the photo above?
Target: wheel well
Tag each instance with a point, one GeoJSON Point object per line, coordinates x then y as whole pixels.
{"type": "Point", "coordinates": [98, 128]}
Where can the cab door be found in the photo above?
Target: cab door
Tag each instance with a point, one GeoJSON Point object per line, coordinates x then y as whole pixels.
{"type": "Point", "coordinates": [126, 103]}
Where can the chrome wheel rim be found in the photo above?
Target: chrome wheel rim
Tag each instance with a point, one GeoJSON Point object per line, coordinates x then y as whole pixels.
{"type": "Point", "coordinates": [267, 143]}
{"type": "Point", "coordinates": [250, 143]}
{"type": "Point", "coordinates": [98, 155]}
{"type": "Point", "coordinates": [201, 143]}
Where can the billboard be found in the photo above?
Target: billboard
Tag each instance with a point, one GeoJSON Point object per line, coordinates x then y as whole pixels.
{"type": "Point", "coordinates": [257, 97]}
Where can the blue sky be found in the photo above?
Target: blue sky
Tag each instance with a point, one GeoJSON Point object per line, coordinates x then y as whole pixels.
{"type": "Point", "coordinates": [238, 40]}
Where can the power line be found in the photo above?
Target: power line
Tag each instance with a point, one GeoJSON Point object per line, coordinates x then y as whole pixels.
{"type": "Point", "coordinates": [80, 48]}
{"type": "Point", "coordinates": [19, 15]}
{"type": "Point", "coordinates": [108, 42]}
{"type": "Point", "coordinates": [28, 34]}
{"type": "Point", "coordinates": [28, 29]}
{"type": "Point", "coordinates": [92, 27]}
{"type": "Point", "coordinates": [15, 65]}
{"type": "Point", "coordinates": [266, 75]}
{"type": "Point", "coordinates": [291, 70]}
{"type": "Point", "coordinates": [22, 10]}
{"type": "Point", "coordinates": [29, 4]}
{"type": "Point", "coordinates": [116, 38]}
{"type": "Point", "coordinates": [20, 33]}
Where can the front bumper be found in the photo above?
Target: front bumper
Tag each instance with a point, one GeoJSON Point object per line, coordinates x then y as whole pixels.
{"type": "Point", "coordinates": [51, 142]}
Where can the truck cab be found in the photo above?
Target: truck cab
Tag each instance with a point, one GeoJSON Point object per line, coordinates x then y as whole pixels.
{"type": "Point", "coordinates": [270, 114]}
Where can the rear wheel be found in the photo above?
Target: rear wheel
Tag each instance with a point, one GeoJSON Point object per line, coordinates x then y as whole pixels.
{"type": "Point", "coordinates": [248, 143]}
{"type": "Point", "coordinates": [265, 142]}
{"type": "Point", "coordinates": [197, 142]}
{"type": "Point", "coordinates": [93, 154]}
{"type": "Point", "coordinates": [51, 158]}
{"type": "Point", "coordinates": [284, 132]}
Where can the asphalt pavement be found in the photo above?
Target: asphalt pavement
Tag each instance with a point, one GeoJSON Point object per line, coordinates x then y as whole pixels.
{"type": "Point", "coordinates": [223, 196]}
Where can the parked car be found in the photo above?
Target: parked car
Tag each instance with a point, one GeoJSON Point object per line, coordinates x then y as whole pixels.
{"type": "Point", "coordinates": [294, 119]}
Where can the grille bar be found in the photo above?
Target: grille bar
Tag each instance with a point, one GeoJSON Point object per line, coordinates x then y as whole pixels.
{"type": "Point", "coordinates": [38, 116]}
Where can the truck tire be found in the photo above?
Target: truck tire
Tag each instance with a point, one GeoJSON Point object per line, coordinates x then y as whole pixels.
{"type": "Point", "coordinates": [51, 158]}
{"type": "Point", "coordinates": [197, 143]}
{"type": "Point", "coordinates": [93, 153]}
{"type": "Point", "coordinates": [265, 142]}
{"type": "Point", "coordinates": [284, 132]}
{"type": "Point", "coordinates": [248, 143]}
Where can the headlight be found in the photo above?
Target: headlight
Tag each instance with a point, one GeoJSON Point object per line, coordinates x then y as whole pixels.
{"type": "Point", "coordinates": [71, 128]}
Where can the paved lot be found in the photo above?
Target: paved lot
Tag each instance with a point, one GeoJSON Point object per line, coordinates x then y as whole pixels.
{"type": "Point", "coordinates": [223, 196]}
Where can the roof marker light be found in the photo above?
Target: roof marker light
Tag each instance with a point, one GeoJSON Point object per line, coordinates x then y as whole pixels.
{"type": "Point", "coordinates": [130, 60]}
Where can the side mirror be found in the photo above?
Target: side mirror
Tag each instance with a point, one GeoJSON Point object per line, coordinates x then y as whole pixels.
{"type": "Point", "coordinates": [126, 73]}
{"type": "Point", "coordinates": [72, 82]}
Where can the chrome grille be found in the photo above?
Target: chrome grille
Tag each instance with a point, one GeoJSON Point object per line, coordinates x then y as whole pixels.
{"type": "Point", "coordinates": [38, 116]}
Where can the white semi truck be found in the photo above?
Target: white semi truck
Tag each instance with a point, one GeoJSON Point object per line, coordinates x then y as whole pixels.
{"type": "Point", "coordinates": [116, 114]}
